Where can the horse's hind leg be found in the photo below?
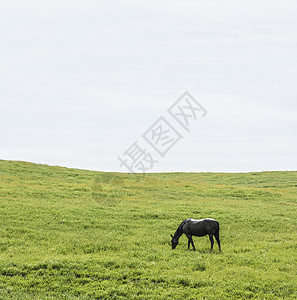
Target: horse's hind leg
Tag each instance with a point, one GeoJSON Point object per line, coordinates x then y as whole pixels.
{"type": "Point", "coordinates": [193, 244]}
{"type": "Point", "coordinates": [211, 241]}
{"type": "Point", "coordinates": [190, 240]}
{"type": "Point", "coordinates": [217, 236]}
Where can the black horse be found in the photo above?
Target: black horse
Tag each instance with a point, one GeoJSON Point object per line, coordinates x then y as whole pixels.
{"type": "Point", "coordinates": [191, 227]}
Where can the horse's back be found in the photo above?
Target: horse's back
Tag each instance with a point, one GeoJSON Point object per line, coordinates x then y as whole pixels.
{"type": "Point", "coordinates": [206, 220]}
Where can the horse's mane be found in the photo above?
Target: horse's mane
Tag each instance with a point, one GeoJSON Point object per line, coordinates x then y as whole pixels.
{"type": "Point", "coordinates": [179, 231]}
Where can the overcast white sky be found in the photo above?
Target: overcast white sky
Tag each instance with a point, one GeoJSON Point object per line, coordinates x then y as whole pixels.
{"type": "Point", "coordinates": [81, 81]}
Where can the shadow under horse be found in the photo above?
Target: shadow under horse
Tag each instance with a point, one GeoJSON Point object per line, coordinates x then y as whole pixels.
{"type": "Point", "coordinates": [202, 227]}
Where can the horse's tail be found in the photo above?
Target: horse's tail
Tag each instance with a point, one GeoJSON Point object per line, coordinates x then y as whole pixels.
{"type": "Point", "coordinates": [217, 235]}
{"type": "Point", "coordinates": [218, 229]}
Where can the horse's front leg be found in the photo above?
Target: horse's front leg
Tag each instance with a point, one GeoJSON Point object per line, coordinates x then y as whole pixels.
{"type": "Point", "coordinates": [190, 241]}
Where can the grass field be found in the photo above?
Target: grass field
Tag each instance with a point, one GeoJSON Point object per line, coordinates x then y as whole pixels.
{"type": "Point", "coordinates": [75, 234]}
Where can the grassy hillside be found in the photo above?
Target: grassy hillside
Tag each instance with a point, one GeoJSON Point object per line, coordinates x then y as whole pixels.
{"type": "Point", "coordinates": [67, 234]}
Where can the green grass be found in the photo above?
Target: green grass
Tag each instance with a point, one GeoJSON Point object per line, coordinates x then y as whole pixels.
{"type": "Point", "coordinates": [67, 234]}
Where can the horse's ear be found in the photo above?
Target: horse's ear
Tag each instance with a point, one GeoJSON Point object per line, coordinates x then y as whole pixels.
{"type": "Point", "coordinates": [171, 235]}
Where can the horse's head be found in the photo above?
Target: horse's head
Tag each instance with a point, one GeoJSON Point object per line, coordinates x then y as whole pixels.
{"type": "Point", "coordinates": [174, 242]}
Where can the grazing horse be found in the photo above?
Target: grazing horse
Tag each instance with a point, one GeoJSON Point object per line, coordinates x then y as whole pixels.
{"type": "Point", "coordinates": [191, 227]}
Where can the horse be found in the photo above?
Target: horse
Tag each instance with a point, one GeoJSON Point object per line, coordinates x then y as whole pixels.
{"type": "Point", "coordinates": [202, 227]}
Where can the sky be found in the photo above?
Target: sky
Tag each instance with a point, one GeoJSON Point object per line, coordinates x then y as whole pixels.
{"type": "Point", "coordinates": [82, 83]}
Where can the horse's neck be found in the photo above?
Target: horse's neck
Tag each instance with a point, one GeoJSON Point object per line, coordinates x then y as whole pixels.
{"type": "Point", "coordinates": [179, 230]}
{"type": "Point", "coordinates": [178, 233]}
